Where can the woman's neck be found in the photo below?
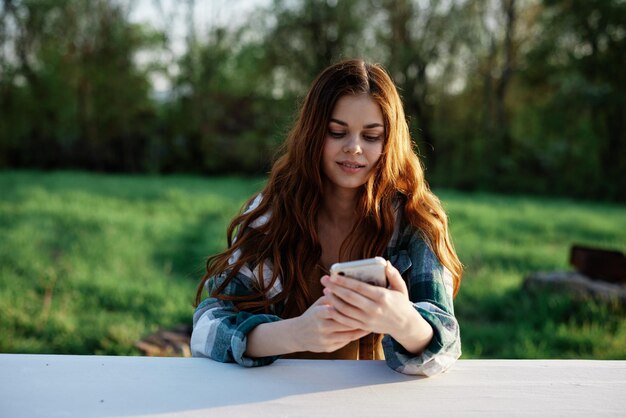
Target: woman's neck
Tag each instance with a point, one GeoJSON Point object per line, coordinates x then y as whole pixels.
{"type": "Point", "coordinates": [335, 221]}
{"type": "Point", "coordinates": [338, 207]}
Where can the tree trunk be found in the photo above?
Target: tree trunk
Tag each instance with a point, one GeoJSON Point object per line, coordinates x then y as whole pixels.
{"type": "Point", "coordinates": [501, 120]}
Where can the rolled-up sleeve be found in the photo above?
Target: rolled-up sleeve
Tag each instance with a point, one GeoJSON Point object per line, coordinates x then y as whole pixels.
{"type": "Point", "coordinates": [430, 288]}
{"type": "Point", "coordinates": [220, 331]}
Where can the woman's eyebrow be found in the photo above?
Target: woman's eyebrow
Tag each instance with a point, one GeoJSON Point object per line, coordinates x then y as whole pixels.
{"type": "Point", "coordinates": [368, 126]}
{"type": "Point", "coordinates": [339, 122]}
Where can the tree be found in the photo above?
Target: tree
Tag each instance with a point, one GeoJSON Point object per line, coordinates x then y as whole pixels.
{"type": "Point", "coordinates": [578, 63]}
{"type": "Point", "coordinates": [421, 39]}
{"type": "Point", "coordinates": [303, 37]}
{"type": "Point", "coordinates": [72, 110]}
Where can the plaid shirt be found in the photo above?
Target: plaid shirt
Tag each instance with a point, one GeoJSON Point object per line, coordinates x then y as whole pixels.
{"type": "Point", "coordinates": [220, 330]}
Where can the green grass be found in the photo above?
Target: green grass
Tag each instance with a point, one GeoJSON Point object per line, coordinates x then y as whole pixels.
{"type": "Point", "coordinates": [502, 239]}
{"type": "Point", "coordinates": [90, 263]}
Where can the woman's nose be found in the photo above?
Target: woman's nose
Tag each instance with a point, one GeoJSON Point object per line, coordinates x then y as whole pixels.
{"type": "Point", "coordinates": [352, 145]}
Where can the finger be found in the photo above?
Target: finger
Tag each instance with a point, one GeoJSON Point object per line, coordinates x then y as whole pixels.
{"type": "Point", "coordinates": [353, 334]}
{"type": "Point", "coordinates": [349, 325]}
{"type": "Point", "coordinates": [350, 315]}
{"type": "Point", "coordinates": [334, 325]}
{"type": "Point", "coordinates": [336, 281]}
{"type": "Point", "coordinates": [321, 301]}
{"type": "Point", "coordinates": [350, 299]}
{"type": "Point", "coordinates": [321, 312]}
{"type": "Point", "coordinates": [331, 320]}
{"type": "Point", "coordinates": [396, 282]}
{"type": "Point", "coordinates": [345, 314]}
{"type": "Point", "coordinates": [347, 335]}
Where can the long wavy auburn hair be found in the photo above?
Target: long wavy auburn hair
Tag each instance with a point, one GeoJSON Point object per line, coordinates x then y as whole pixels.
{"type": "Point", "coordinates": [288, 241]}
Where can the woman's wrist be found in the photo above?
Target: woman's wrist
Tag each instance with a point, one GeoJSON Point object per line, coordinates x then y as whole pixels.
{"type": "Point", "coordinates": [293, 342]}
{"type": "Point", "coordinates": [415, 334]}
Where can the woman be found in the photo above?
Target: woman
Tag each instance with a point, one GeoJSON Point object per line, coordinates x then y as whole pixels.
{"type": "Point", "coordinates": [347, 186]}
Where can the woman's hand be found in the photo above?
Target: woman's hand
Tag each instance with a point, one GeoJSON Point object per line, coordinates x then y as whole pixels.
{"type": "Point", "coordinates": [317, 329]}
{"type": "Point", "coordinates": [371, 308]}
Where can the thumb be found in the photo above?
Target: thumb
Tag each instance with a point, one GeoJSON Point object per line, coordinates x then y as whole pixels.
{"type": "Point", "coordinates": [321, 301]}
{"type": "Point", "coordinates": [396, 282]}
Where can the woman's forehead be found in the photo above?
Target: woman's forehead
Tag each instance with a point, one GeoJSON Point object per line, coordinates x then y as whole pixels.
{"type": "Point", "coordinates": [359, 109]}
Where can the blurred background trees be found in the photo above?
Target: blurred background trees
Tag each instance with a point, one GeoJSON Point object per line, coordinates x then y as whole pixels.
{"type": "Point", "coordinates": [509, 95]}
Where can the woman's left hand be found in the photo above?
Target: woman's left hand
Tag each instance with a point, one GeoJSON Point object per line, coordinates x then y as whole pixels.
{"type": "Point", "coordinates": [377, 309]}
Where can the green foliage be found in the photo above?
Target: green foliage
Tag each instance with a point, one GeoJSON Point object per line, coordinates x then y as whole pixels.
{"type": "Point", "coordinates": [582, 97]}
{"type": "Point", "coordinates": [304, 37]}
{"type": "Point", "coordinates": [91, 263]}
{"type": "Point", "coordinates": [74, 96]}
{"type": "Point", "coordinates": [524, 96]}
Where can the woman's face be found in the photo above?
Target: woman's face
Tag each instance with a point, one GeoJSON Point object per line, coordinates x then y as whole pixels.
{"type": "Point", "coordinates": [354, 141]}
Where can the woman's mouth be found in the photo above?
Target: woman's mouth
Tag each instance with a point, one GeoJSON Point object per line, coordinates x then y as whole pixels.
{"type": "Point", "coordinates": [350, 166]}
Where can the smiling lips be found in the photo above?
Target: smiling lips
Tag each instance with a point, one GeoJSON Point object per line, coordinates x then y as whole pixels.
{"type": "Point", "coordinates": [350, 166]}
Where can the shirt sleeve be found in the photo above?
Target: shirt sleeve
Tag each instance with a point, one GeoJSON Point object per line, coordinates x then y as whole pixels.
{"type": "Point", "coordinates": [220, 330]}
{"type": "Point", "coordinates": [430, 288]}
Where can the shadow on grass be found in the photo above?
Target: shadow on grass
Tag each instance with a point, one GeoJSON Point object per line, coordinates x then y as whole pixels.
{"type": "Point", "coordinates": [185, 255]}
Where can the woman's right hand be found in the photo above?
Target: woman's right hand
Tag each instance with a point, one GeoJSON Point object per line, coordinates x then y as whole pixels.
{"type": "Point", "coordinates": [317, 332]}
{"type": "Point", "coordinates": [313, 331]}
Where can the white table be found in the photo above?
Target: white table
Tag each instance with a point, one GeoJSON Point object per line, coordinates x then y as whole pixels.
{"type": "Point", "coordinates": [97, 386]}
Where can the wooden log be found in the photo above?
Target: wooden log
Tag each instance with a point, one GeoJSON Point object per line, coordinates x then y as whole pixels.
{"type": "Point", "coordinates": [167, 343]}
{"type": "Point", "coordinates": [597, 263]}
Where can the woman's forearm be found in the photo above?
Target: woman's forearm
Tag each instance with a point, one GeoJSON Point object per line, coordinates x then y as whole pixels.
{"type": "Point", "coordinates": [272, 339]}
{"type": "Point", "coordinates": [416, 334]}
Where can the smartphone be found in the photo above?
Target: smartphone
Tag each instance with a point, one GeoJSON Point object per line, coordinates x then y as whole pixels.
{"type": "Point", "coordinates": [369, 270]}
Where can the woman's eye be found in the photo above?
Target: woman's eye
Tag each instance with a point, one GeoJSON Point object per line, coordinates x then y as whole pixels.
{"type": "Point", "coordinates": [372, 138]}
{"type": "Point", "coordinates": [336, 134]}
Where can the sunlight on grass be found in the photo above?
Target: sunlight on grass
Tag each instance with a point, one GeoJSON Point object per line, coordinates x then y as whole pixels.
{"type": "Point", "coordinates": [90, 263]}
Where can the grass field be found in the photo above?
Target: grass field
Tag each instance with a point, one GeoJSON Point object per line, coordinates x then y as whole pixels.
{"type": "Point", "coordinates": [91, 263]}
